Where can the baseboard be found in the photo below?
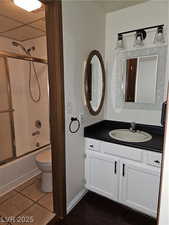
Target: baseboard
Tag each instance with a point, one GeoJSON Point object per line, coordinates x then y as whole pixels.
{"type": "Point", "coordinates": [20, 180]}
{"type": "Point", "coordinates": [76, 200]}
{"type": "Point", "coordinates": [53, 221]}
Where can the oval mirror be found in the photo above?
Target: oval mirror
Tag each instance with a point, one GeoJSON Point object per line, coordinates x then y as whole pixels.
{"type": "Point", "coordinates": [94, 82]}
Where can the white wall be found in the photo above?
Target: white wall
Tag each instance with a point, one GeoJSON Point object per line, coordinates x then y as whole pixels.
{"type": "Point", "coordinates": [142, 15]}
{"type": "Point", "coordinates": [83, 31]}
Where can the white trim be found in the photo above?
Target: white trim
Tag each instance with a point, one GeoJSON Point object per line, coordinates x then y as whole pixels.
{"type": "Point", "coordinates": [18, 181]}
{"type": "Point", "coordinates": [76, 200]}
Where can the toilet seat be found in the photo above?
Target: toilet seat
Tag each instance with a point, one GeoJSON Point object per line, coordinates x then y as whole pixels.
{"type": "Point", "coordinates": [44, 157]}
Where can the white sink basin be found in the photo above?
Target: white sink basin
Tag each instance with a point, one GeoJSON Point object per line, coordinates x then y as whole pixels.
{"type": "Point", "coordinates": [129, 136]}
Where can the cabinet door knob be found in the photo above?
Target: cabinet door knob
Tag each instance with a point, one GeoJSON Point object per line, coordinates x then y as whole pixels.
{"type": "Point", "coordinates": [157, 161]}
{"type": "Point", "coordinates": [91, 146]}
{"type": "Point", "coordinates": [123, 170]}
{"type": "Point", "coordinates": [115, 167]}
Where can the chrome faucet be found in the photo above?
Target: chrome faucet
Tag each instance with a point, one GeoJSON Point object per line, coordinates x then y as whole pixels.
{"type": "Point", "coordinates": [133, 127]}
{"type": "Point", "coordinates": [36, 133]}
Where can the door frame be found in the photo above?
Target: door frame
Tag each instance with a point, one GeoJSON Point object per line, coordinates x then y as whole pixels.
{"type": "Point", "coordinates": [54, 34]}
{"type": "Point", "coordinates": [162, 209]}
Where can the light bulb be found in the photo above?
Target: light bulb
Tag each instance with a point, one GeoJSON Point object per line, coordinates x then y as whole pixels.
{"type": "Point", "coordinates": [138, 40]}
{"type": "Point", "coordinates": [120, 42]}
{"type": "Point", "coordinates": [159, 36]}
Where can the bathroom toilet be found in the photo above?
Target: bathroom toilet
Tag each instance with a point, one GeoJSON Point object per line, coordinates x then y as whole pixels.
{"type": "Point", "coordinates": [44, 163]}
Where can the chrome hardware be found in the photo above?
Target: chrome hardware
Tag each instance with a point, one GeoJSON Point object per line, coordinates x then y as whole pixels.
{"type": "Point", "coordinates": [36, 133]}
{"type": "Point", "coordinates": [7, 111]}
{"type": "Point", "coordinates": [133, 127]}
{"type": "Point", "coordinates": [38, 124]}
{"type": "Point", "coordinates": [37, 144]}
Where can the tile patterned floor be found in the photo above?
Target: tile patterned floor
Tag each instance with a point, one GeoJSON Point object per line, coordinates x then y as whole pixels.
{"type": "Point", "coordinates": [27, 202]}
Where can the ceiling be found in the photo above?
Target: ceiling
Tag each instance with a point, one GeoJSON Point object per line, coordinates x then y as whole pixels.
{"type": "Point", "coordinates": [20, 25]}
{"type": "Point", "coordinates": [113, 5]}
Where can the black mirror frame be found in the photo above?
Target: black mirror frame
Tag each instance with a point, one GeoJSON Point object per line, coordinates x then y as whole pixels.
{"type": "Point", "coordinates": [87, 70]}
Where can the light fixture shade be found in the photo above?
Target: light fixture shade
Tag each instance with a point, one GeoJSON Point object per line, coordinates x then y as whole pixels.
{"type": "Point", "coordinates": [159, 36]}
{"type": "Point", "coordinates": [28, 5]}
{"type": "Point", "coordinates": [120, 43]}
{"type": "Point", "coordinates": [139, 39]}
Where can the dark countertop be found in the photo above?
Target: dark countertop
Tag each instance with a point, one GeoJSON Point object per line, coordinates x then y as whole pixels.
{"type": "Point", "coordinates": [100, 131]}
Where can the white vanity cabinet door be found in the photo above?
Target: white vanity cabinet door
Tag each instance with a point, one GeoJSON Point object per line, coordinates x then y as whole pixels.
{"type": "Point", "coordinates": [102, 175]}
{"type": "Point", "coordinates": [139, 187]}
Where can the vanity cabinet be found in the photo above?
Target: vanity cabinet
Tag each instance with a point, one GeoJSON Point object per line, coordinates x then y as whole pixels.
{"type": "Point", "coordinates": [139, 187]}
{"type": "Point", "coordinates": [124, 174]}
{"type": "Point", "coordinates": [102, 175]}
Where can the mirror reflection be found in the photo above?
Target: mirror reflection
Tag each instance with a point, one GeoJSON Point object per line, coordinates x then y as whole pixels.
{"type": "Point", "coordinates": [96, 83]}
{"type": "Point", "coordinates": [141, 77]}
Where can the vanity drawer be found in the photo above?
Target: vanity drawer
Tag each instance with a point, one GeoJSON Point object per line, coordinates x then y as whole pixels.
{"type": "Point", "coordinates": [92, 144]}
{"type": "Point", "coordinates": [153, 159]}
{"type": "Point", "coordinates": [122, 151]}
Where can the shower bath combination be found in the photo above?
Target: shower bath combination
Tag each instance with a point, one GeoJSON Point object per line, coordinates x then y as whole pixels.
{"type": "Point", "coordinates": [31, 64]}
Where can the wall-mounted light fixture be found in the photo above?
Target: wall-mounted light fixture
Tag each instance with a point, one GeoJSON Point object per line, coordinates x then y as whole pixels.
{"type": "Point", "coordinates": [120, 42]}
{"type": "Point", "coordinates": [140, 36]}
{"type": "Point", "coordinates": [28, 5]}
{"type": "Point", "coordinates": [159, 36]}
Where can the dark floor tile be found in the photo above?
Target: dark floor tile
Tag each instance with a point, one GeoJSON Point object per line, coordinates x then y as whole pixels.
{"type": "Point", "coordinates": [96, 210]}
{"type": "Point", "coordinates": [136, 218]}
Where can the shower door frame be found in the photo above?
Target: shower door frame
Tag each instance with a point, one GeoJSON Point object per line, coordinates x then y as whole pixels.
{"type": "Point", "coordinates": [9, 111]}
{"type": "Point", "coordinates": [5, 55]}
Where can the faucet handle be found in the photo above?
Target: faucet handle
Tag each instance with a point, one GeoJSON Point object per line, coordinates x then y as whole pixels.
{"type": "Point", "coordinates": [36, 133]}
{"type": "Point", "coordinates": [133, 126]}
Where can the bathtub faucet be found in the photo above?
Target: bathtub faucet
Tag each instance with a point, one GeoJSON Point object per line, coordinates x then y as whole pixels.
{"type": "Point", "coordinates": [36, 133]}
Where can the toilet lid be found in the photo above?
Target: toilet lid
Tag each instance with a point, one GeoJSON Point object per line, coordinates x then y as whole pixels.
{"type": "Point", "coordinates": [44, 157]}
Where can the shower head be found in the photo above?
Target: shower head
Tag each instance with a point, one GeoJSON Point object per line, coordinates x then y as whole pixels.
{"type": "Point", "coordinates": [16, 44]}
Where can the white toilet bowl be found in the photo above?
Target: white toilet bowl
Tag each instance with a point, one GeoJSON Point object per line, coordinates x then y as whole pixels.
{"type": "Point", "coordinates": [44, 163]}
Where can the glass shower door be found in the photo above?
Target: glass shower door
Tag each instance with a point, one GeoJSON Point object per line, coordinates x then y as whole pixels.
{"type": "Point", "coordinates": [7, 150]}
